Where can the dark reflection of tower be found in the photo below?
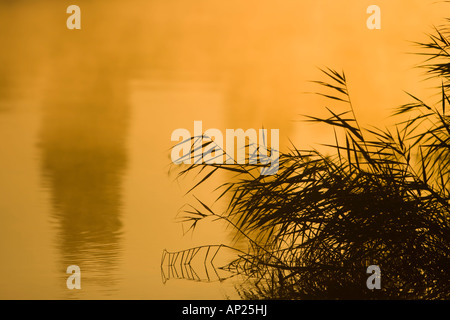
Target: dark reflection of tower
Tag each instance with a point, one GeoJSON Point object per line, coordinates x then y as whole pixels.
{"type": "Point", "coordinates": [83, 160]}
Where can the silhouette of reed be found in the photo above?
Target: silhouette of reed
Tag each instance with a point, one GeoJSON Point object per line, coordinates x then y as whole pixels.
{"type": "Point", "coordinates": [181, 264]}
{"type": "Point", "coordinates": [380, 198]}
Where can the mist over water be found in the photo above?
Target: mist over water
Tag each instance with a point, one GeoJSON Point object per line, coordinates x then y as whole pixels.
{"type": "Point", "coordinates": [86, 118]}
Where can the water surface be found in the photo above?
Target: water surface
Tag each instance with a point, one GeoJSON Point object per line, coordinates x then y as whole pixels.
{"type": "Point", "coordinates": [86, 117]}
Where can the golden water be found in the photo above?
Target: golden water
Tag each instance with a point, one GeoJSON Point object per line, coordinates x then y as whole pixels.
{"type": "Point", "coordinates": [86, 117]}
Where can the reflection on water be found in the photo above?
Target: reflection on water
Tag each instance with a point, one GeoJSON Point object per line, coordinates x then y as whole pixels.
{"type": "Point", "coordinates": [83, 131]}
{"type": "Point", "coordinates": [83, 135]}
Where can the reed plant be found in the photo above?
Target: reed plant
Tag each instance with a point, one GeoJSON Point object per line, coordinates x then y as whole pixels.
{"type": "Point", "coordinates": [379, 197]}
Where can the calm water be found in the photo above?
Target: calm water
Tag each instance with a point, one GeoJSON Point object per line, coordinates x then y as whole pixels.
{"type": "Point", "coordinates": [86, 118]}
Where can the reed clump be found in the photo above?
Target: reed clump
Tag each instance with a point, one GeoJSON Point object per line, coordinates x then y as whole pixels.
{"type": "Point", "coordinates": [381, 197]}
